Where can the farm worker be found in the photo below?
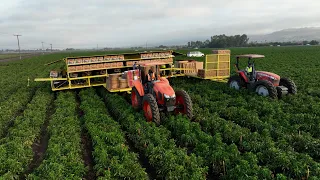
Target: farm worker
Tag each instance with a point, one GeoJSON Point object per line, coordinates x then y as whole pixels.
{"type": "Point", "coordinates": [135, 65]}
{"type": "Point", "coordinates": [249, 68]}
{"type": "Point", "coordinates": [150, 77]}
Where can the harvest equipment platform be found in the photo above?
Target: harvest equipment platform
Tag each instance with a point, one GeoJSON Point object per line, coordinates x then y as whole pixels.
{"type": "Point", "coordinates": [115, 71]}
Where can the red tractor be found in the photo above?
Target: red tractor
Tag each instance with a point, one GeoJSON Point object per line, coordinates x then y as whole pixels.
{"type": "Point", "coordinates": [155, 95]}
{"type": "Point", "coordinates": [262, 82]}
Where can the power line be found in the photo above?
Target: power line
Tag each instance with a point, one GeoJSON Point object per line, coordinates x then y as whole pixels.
{"type": "Point", "coordinates": [18, 43]}
{"type": "Point", "coordinates": [42, 47]}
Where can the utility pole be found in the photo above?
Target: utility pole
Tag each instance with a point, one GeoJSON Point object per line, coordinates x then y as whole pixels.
{"type": "Point", "coordinates": [18, 43]}
{"type": "Point", "coordinates": [51, 47]}
{"type": "Point", "coordinates": [42, 48]}
{"type": "Point", "coordinates": [147, 45]}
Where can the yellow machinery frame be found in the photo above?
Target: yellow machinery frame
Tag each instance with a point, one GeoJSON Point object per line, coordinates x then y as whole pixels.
{"type": "Point", "coordinates": [207, 63]}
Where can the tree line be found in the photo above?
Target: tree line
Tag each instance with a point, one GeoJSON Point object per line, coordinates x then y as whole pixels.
{"type": "Point", "coordinates": [223, 41]}
{"type": "Point", "coordinates": [289, 43]}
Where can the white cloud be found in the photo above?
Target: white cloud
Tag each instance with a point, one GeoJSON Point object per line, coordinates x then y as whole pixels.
{"type": "Point", "coordinates": [71, 23]}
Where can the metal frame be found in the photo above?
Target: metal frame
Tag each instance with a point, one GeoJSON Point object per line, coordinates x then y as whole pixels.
{"type": "Point", "coordinates": [218, 78]}
{"type": "Point", "coordinates": [174, 72]}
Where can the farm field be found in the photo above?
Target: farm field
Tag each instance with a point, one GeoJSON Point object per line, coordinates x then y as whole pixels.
{"type": "Point", "coordinates": [92, 134]}
{"type": "Point", "coordinates": [10, 56]}
{"type": "Point", "coordinates": [6, 56]}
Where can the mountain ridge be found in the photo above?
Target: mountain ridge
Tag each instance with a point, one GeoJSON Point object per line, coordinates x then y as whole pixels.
{"type": "Point", "coordinates": [290, 34]}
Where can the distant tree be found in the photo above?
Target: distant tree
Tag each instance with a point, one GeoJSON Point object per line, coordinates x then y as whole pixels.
{"type": "Point", "coordinates": [221, 41]}
{"type": "Point", "coordinates": [314, 42]}
{"type": "Point", "coordinates": [162, 46]}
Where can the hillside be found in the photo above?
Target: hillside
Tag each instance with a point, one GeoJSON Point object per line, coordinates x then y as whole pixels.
{"type": "Point", "coordinates": [292, 34]}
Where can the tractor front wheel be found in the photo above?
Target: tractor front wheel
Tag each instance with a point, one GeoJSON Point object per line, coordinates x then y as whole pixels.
{"type": "Point", "coordinates": [150, 108]}
{"type": "Point", "coordinates": [235, 82]}
{"type": "Point", "coordinates": [135, 98]}
{"type": "Point", "coordinates": [265, 88]}
{"type": "Point", "coordinates": [183, 104]}
{"type": "Point", "coordinates": [288, 83]}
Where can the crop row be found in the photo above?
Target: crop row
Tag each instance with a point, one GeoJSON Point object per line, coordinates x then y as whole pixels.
{"type": "Point", "coordinates": [63, 157]}
{"type": "Point", "coordinates": [15, 94]}
{"type": "Point", "coordinates": [276, 123]}
{"type": "Point", "coordinates": [111, 154]}
{"type": "Point", "coordinates": [258, 115]}
{"type": "Point", "coordinates": [155, 143]}
{"type": "Point", "coordinates": [280, 159]}
{"type": "Point", "coordinates": [276, 156]}
{"type": "Point", "coordinates": [224, 160]}
{"type": "Point", "coordinates": [11, 107]}
{"type": "Point", "coordinates": [16, 148]}
{"type": "Point", "coordinates": [17, 74]}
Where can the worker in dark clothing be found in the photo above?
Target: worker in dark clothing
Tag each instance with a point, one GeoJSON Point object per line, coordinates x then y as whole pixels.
{"type": "Point", "coordinates": [135, 66]}
{"type": "Point", "coordinates": [150, 77]}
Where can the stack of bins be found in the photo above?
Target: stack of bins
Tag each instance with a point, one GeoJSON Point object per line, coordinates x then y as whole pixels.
{"type": "Point", "coordinates": [223, 62]}
{"type": "Point", "coordinates": [181, 64]}
{"type": "Point", "coordinates": [123, 83]}
{"type": "Point", "coordinates": [217, 65]}
{"type": "Point", "coordinates": [113, 81]}
{"type": "Point", "coordinates": [207, 73]}
{"type": "Point", "coordinates": [192, 67]}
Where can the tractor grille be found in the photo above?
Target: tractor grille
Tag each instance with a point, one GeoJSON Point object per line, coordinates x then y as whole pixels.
{"type": "Point", "coordinates": [170, 101]}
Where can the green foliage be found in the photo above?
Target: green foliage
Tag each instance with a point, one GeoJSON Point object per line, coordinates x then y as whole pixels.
{"type": "Point", "coordinates": [63, 157]}
{"type": "Point", "coordinates": [111, 154]}
{"type": "Point", "coordinates": [226, 160]}
{"type": "Point", "coordinates": [236, 134]}
{"type": "Point", "coordinates": [155, 143]}
{"type": "Point", "coordinates": [16, 148]}
{"type": "Point", "coordinates": [283, 134]}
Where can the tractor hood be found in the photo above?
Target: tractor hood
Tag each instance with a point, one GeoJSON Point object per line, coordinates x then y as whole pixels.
{"type": "Point", "coordinates": [164, 88]}
{"type": "Point", "coordinates": [264, 74]}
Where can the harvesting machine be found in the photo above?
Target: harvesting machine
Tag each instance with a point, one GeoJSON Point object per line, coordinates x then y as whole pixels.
{"type": "Point", "coordinates": [262, 82]}
{"type": "Point", "coordinates": [127, 72]}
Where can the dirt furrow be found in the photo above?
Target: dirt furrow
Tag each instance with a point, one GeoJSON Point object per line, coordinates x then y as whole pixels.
{"type": "Point", "coordinates": [40, 146]}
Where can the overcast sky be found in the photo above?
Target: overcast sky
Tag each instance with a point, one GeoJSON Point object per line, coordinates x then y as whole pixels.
{"type": "Point", "coordinates": [116, 23]}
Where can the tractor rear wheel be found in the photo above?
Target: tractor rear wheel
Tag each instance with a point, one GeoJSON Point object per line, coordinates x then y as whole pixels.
{"type": "Point", "coordinates": [288, 83]}
{"type": "Point", "coordinates": [265, 88]}
{"type": "Point", "coordinates": [235, 82]}
{"type": "Point", "coordinates": [150, 108]}
{"type": "Point", "coordinates": [135, 98]}
{"type": "Point", "coordinates": [183, 104]}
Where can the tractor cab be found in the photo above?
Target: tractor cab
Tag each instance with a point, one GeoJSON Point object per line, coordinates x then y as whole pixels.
{"type": "Point", "coordinates": [249, 73]}
{"type": "Point", "coordinates": [154, 94]}
{"type": "Point", "coordinates": [150, 76]}
{"type": "Point", "coordinates": [262, 82]}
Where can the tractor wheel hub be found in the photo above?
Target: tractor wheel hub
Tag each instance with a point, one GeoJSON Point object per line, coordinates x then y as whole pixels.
{"type": "Point", "coordinates": [235, 85]}
{"type": "Point", "coordinates": [262, 90]}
